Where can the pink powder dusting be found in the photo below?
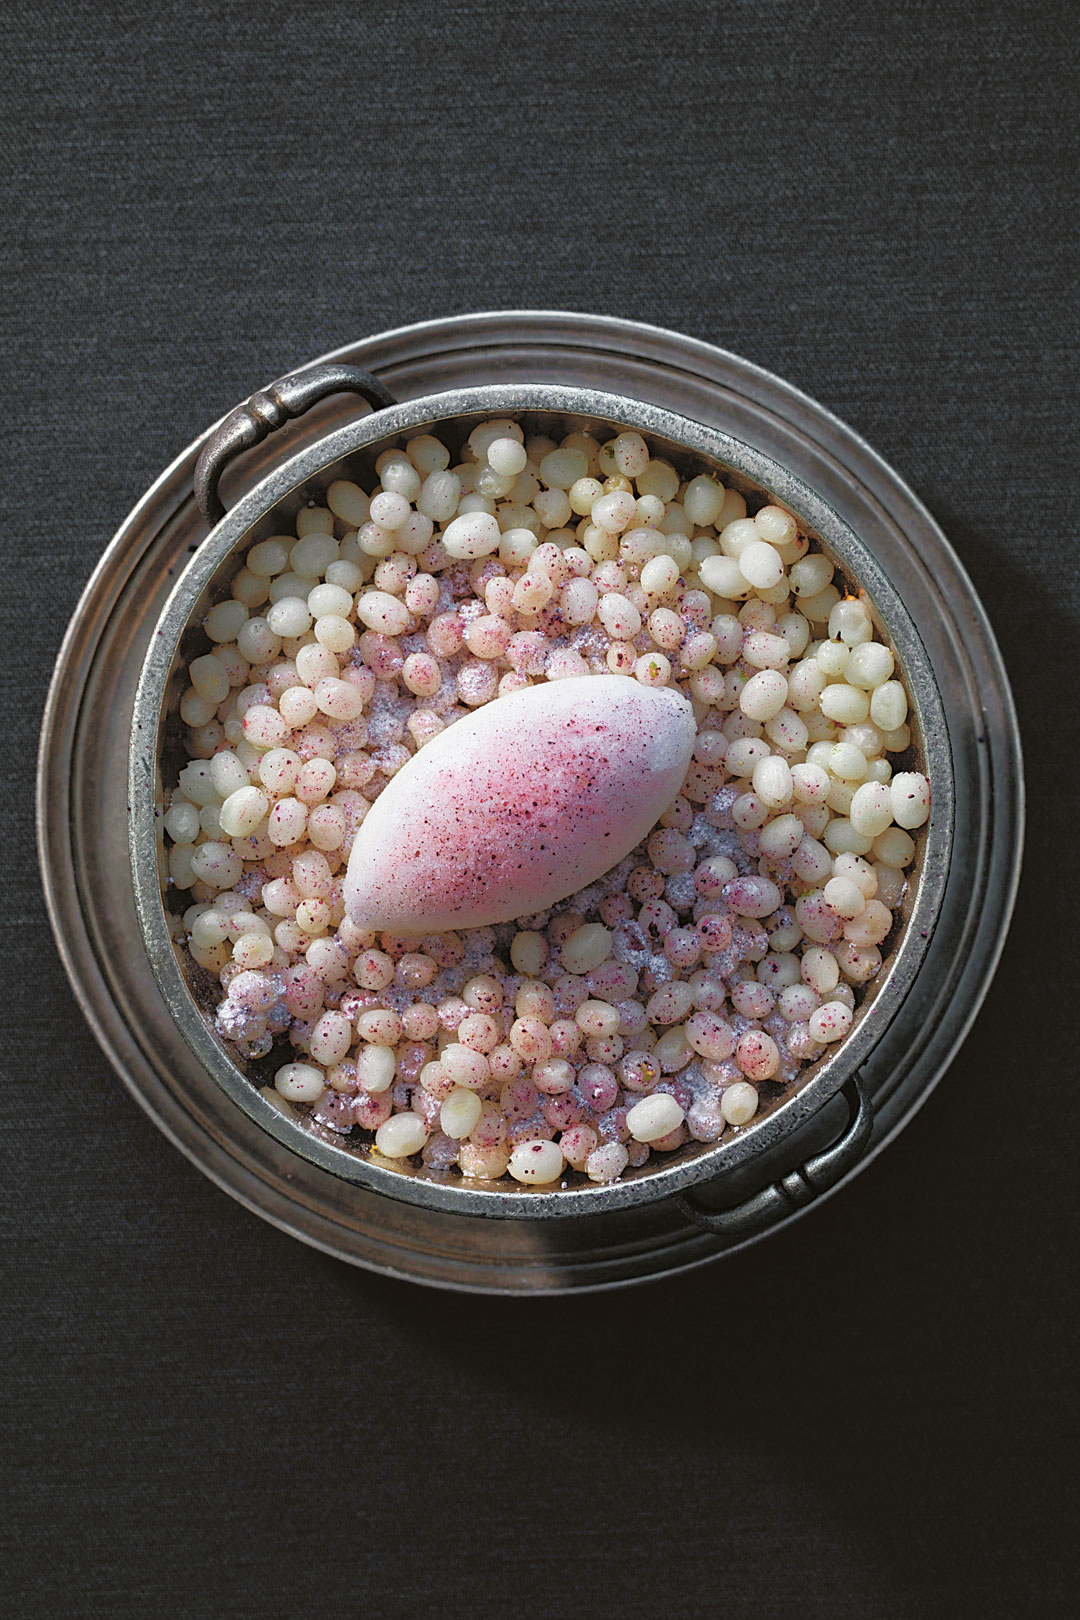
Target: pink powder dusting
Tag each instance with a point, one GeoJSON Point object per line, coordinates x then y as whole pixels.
{"type": "Point", "coordinates": [520, 805]}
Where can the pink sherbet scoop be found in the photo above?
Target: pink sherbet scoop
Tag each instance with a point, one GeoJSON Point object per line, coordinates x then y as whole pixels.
{"type": "Point", "coordinates": [525, 801]}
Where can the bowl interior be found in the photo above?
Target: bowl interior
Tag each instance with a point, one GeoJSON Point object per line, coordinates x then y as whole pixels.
{"type": "Point", "coordinates": [271, 508]}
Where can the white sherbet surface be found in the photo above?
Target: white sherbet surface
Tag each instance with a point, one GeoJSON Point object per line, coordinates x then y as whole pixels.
{"type": "Point", "coordinates": [528, 799]}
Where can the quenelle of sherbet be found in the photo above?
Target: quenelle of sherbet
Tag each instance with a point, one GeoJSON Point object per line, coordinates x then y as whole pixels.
{"type": "Point", "coordinates": [520, 804]}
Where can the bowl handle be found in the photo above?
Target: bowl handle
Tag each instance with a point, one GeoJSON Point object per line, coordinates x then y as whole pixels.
{"type": "Point", "coordinates": [799, 1187]}
{"type": "Point", "coordinates": [269, 409]}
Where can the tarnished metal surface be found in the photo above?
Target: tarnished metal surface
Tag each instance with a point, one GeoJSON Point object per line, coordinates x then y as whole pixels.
{"type": "Point", "coordinates": [800, 1186]}
{"type": "Point", "coordinates": [83, 837]}
{"type": "Point", "coordinates": [349, 452]}
{"type": "Point", "coordinates": [269, 409]}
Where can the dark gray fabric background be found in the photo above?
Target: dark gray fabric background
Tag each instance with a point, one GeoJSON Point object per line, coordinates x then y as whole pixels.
{"type": "Point", "coordinates": [867, 1416]}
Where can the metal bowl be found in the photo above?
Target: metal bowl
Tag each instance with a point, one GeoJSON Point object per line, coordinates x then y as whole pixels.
{"type": "Point", "coordinates": [83, 828]}
{"type": "Point", "coordinates": [350, 452]}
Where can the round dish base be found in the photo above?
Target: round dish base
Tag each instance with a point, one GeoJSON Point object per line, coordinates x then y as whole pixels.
{"type": "Point", "coordinates": [82, 812]}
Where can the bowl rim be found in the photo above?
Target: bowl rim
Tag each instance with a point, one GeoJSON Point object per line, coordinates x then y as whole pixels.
{"type": "Point", "coordinates": [652, 1183]}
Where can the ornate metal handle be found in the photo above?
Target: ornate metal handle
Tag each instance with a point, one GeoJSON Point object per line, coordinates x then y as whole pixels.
{"type": "Point", "coordinates": [798, 1187]}
{"type": "Point", "coordinates": [269, 409]}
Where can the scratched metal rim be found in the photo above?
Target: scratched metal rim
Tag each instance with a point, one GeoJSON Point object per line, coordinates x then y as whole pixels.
{"type": "Point", "coordinates": [94, 925]}
{"type": "Point", "coordinates": [306, 474]}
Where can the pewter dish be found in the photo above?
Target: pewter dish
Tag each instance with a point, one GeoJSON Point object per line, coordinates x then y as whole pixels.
{"type": "Point", "coordinates": [98, 935]}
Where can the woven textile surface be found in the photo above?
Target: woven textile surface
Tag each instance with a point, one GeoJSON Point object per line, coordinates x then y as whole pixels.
{"type": "Point", "coordinates": [867, 1415]}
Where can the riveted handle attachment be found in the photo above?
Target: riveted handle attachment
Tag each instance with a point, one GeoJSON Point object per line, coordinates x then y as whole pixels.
{"type": "Point", "coordinates": [249, 424]}
{"type": "Point", "coordinates": [799, 1187]}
